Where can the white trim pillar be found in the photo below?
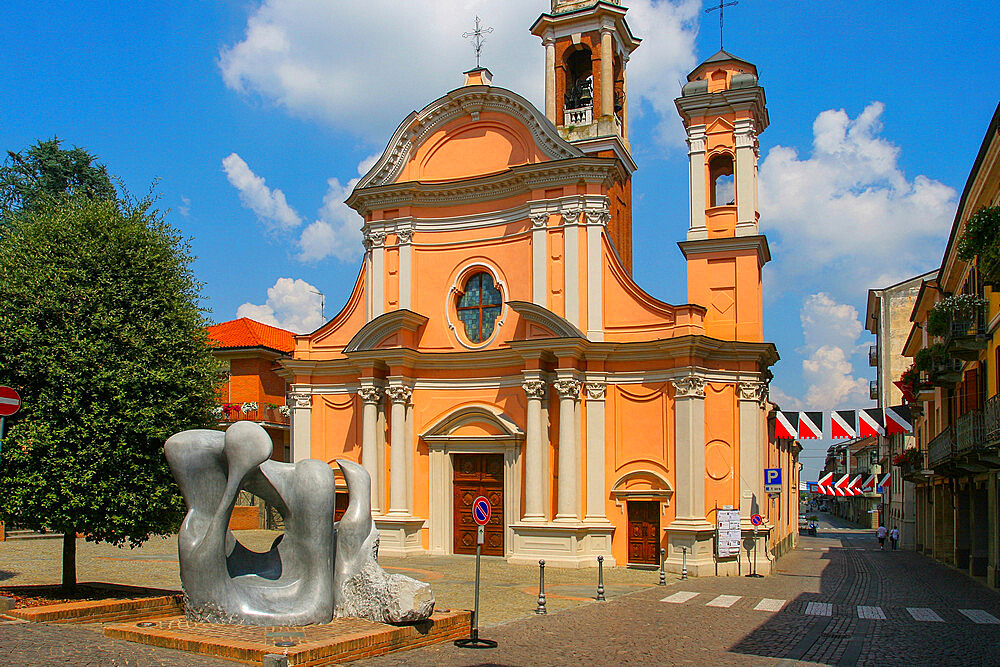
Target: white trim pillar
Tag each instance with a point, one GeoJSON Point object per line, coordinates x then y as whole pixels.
{"type": "Point", "coordinates": [539, 251]}
{"type": "Point", "coordinates": [550, 78]}
{"type": "Point", "coordinates": [751, 396]}
{"type": "Point", "coordinates": [596, 223]}
{"type": "Point", "coordinates": [375, 244]}
{"type": "Point", "coordinates": [746, 182]}
{"type": "Point", "coordinates": [571, 264]}
{"type": "Point", "coordinates": [596, 390]}
{"type": "Point", "coordinates": [607, 73]}
{"type": "Point", "coordinates": [404, 237]}
{"type": "Point", "coordinates": [689, 441]}
{"type": "Point", "coordinates": [370, 396]}
{"type": "Point", "coordinates": [696, 175]}
{"type": "Point", "coordinates": [398, 396]}
{"type": "Point", "coordinates": [534, 451]}
{"type": "Point", "coordinates": [567, 507]}
{"type": "Point", "coordinates": [301, 404]}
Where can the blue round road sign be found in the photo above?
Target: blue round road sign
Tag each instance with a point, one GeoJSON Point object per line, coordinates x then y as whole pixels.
{"type": "Point", "coordinates": [481, 510]}
{"type": "Point", "coordinates": [756, 519]}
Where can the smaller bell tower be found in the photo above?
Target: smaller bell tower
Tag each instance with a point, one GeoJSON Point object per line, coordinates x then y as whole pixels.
{"type": "Point", "coordinates": [723, 109]}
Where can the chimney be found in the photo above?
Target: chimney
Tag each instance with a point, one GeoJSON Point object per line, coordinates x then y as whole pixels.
{"type": "Point", "coordinates": [479, 76]}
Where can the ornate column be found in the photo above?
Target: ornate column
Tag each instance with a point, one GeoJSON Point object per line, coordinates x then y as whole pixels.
{"type": "Point", "coordinates": [534, 452]}
{"type": "Point", "coordinates": [404, 236]}
{"type": "Point", "coordinates": [607, 73]}
{"type": "Point", "coordinates": [751, 396]}
{"type": "Point", "coordinates": [550, 78]}
{"type": "Point", "coordinates": [595, 451]}
{"type": "Point", "coordinates": [746, 186]}
{"type": "Point", "coordinates": [399, 396]}
{"type": "Point", "coordinates": [375, 244]}
{"type": "Point", "coordinates": [539, 252]}
{"type": "Point", "coordinates": [696, 175]}
{"type": "Point", "coordinates": [301, 404]}
{"type": "Point", "coordinates": [567, 507]}
{"type": "Point", "coordinates": [370, 396]}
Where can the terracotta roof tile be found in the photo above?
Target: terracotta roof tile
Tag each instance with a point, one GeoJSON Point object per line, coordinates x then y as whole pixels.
{"type": "Point", "coordinates": [245, 332]}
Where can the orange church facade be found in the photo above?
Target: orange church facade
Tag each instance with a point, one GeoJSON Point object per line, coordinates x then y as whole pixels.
{"type": "Point", "coordinates": [496, 344]}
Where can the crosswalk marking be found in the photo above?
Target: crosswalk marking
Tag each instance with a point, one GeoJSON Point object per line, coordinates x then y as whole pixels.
{"type": "Point", "coordinates": [875, 613]}
{"type": "Point", "coordinates": [819, 609]}
{"type": "Point", "coordinates": [924, 614]}
{"type": "Point", "coordinates": [679, 597]}
{"type": "Point", "coordinates": [768, 604]}
{"type": "Point", "coordinates": [724, 601]}
{"type": "Point", "coordinates": [979, 616]}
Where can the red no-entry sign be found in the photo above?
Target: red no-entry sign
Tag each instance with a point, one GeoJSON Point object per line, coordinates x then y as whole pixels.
{"type": "Point", "coordinates": [10, 402]}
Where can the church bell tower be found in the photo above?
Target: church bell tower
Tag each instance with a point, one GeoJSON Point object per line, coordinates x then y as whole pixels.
{"type": "Point", "coordinates": [587, 47]}
{"type": "Point", "coordinates": [723, 109]}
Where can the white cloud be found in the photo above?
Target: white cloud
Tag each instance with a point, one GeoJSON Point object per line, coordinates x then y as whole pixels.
{"type": "Point", "coordinates": [849, 210]}
{"type": "Point", "coordinates": [362, 67]}
{"type": "Point", "coordinates": [269, 205]}
{"type": "Point", "coordinates": [337, 231]}
{"type": "Point", "coordinates": [291, 304]}
{"type": "Point", "coordinates": [185, 207]}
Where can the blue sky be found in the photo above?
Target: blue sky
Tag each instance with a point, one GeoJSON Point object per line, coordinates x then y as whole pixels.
{"type": "Point", "coordinates": [877, 111]}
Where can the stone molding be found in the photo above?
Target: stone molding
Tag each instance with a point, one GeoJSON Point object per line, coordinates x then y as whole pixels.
{"type": "Point", "coordinates": [752, 391]}
{"type": "Point", "coordinates": [570, 215]}
{"type": "Point", "coordinates": [404, 235]}
{"type": "Point", "coordinates": [596, 390]}
{"type": "Point", "coordinates": [370, 394]}
{"type": "Point", "coordinates": [598, 217]}
{"type": "Point", "coordinates": [399, 394]}
{"type": "Point", "coordinates": [534, 389]}
{"type": "Point", "coordinates": [691, 386]}
{"type": "Point", "coordinates": [300, 400]}
{"type": "Point", "coordinates": [567, 388]}
{"type": "Point", "coordinates": [373, 239]}
{"type": "Point", "coordinates": [539, 219]}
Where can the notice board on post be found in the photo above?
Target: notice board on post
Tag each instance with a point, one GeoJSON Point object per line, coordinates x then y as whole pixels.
{"type": "Point", "coordinates": [727, 532]}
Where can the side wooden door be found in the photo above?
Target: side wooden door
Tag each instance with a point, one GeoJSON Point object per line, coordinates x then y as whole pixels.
{"type": "Point", "coordinates": [478, 475]}
{"type": "Point", "coordinates": [643, 532]}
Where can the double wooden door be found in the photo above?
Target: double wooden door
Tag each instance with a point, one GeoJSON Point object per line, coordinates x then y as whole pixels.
{"type": "Point", "coordinates": [643, 532]}
{"type": "Point", "coordinates": [478, 475]}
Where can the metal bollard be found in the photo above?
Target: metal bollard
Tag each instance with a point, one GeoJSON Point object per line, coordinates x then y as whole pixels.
{"type": "Point", "coordinates": [600, 579]}
{"type": "Point", "coordinates": [684, 563]}
{"type": "Point", "coordinates": [663, 575]}
{"type": "Point", "coordinates": [540, 609]}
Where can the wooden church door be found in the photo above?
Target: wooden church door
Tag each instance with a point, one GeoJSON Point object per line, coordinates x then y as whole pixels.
{"type": "Point", "coordinates": [478, 475]}
{"type": "Point", "coordinates": [643, 532]}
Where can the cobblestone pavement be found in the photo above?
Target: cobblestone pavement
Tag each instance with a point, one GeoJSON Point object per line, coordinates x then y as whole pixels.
{"type": "Point", "coordinates": [836, 600]}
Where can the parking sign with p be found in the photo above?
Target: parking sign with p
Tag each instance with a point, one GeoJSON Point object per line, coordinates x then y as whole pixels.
{"type": "Point", "coordinates": [772, 480]}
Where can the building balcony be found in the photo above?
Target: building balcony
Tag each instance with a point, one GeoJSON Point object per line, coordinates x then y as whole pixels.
{"type": "Point", "coordinates": [968, 432]}
{"type": "Point", "coordinates": [967, 337]}
{"type": "Point", "coordinates": [265, 416]}
{"type": "Point", "coordinates": [580, 116]}
{"type": "Point", "coordinates": [873, 356]}
{"type": "Point", "coordinates": [941, 448]}
{"type": "Point", "coordinates": [991, 420]}
{"type": "Point", "coordinates": [873, 390]}
{"type": "Point", "coordinates": [946, 373]}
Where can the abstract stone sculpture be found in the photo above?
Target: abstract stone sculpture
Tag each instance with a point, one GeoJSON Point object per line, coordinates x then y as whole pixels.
{"type": "Point", "coordinates": [316, 570]}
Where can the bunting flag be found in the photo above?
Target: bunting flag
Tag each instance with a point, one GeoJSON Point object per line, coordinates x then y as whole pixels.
{"type": "Point", "coordinates": [871, 422]}
{"type": "Point", "coordinates": [810, 425]}
{"type": "Point", "coordinates": [898, 420]}
{"type": "Point", "coordinates": [786, 425]}
{"type": "Point", "coordinates": [843, 424]}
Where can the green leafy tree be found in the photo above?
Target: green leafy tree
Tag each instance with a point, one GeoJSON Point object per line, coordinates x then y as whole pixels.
{"type": "Point", "coordinates": [104, 338]}
{"type": "Point", "coordinates": [46, 173]}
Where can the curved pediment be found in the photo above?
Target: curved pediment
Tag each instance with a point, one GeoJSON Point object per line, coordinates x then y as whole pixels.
{"type": "Point", "coordinates": [471, 131]}
{"type": "Point", "coordinates": [542, 317]}
{"type": "Point", "coordinates": [474, 422]}
{"type": "Point", "coordinates": [373, 333]}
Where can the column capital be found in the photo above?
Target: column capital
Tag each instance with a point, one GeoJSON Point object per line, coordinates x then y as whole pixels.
{"type": "Point", "coordinates": [601, 216]}
{"type": "Point", "coordinates": [570, 215]}
{"type": "Point", "coordinates": [300, 400]}
{"type": "Point", "coordinates": [534, 388]}
{"type": "Point", "coordinates": [596, 390]}
{"type": "Point", "coordinates": [752, 391]}
{"type": "Point", "coordinates": [539, 219]}
{"type": "Point", "coordinates": [404, 235]}
{"type": "Point", "coordinates": [567, 388]}
{"type": "Point", "coordinates": [399, 394]}
{"type": "Point", "coordinates": [370, 394]}
{"type": "Point", "coordinates": [690, 386]}
{"type": "Point", "coordinates": [373, 239]}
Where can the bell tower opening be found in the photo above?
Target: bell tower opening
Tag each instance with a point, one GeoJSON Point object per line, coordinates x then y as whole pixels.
{"type": "Point", "coordinates": [578, 102]}
{"type": "Point", "coordinates": [722, 179]}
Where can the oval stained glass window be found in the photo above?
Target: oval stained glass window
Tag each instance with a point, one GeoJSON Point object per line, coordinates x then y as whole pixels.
{"type": "Point", "coordinates": [479, 307]}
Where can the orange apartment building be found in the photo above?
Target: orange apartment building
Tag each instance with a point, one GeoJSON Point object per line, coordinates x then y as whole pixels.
{"type": "Point", "coordinates": [496, 343]}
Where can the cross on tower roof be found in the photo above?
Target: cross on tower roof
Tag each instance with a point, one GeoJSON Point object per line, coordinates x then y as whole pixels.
{"type": "Point", "coordinates": [721, 8]}
{"type": "Point", "coordinates": [477, 39]}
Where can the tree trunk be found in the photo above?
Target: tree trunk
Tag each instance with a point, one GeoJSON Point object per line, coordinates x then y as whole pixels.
{"type": "Point", "coordinates": [69, 561]}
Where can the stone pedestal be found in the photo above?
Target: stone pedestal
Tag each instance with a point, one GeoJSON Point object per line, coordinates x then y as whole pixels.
{"type": "Point", "coordinates": [696, 535]}
{"type": "Point", "coordinates": [399, 536]}
{"type": "Point", "coordinates": [562, 545]}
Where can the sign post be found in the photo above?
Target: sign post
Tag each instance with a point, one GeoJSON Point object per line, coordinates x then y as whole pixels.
{"type": "Point", "coordinates": [756, 520]}
{"type": "Point", "coordinates": [10, 403]}
{"type": "Point", "coordinates": [481, 512]}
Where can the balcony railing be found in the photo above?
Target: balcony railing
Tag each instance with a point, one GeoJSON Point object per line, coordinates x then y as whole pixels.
{"type": "Point", "coordinates": [991, 420]}
{"type": "Point", "coordinates": [579, 116]}
{"type": "Point", "coordinates": [941, 447]}
{"type": "Point", "coordinates": [873, 390]}
{"type": "Point", "coordinates": [873, 355]}
{"type": "Point", "coordinates": [264, 415]}
{"type": "Point", "coordinates": [967, 335]}
{"type": "Point", "coordinates": [969, 432]}
{"type": "Point", "coordinates": [946, 372]}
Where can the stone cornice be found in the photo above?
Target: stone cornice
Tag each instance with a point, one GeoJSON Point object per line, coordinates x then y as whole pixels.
{"type": "Point", "coordinates": [725, 101]}
{"type": "Point", "coordinates": [728, 244]}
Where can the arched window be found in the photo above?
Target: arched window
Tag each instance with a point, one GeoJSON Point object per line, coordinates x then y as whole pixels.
{"type": "Point", "coordinates": [479, 306]}
{"type": "Point", "coordinates": [723, 190]}
{"type": "Point", "coordinates": [579, 80]}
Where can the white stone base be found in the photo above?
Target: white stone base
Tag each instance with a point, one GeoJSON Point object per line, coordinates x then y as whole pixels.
{"type": "Point", "coordinates": [696, 536]}
{"type": "Point", "coordinates": [573, 545]}
{"type": "Point", "coordinates": [399, 536]}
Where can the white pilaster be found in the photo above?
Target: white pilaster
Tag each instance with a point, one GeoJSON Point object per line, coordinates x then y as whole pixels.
{"type": "Point", "coordinates": [371, 396]}
{"type": "Point", "coordinates": [301, 403]}
{"type": "Point", "coordinates": [399, 396]}
{"type": "Point", "coordinates": [595, 450]}
{"type": "Point", "coordinates": [550, 78]}
{"type": "Point", "coordinates": [571, 264]}
{"type": "Point", "coordinates": [539, 250]}
{"type": "Point", "coordinates": [751, 396]}
{"type": "Point", "coordinates": [375, 242]}
{"type": "Point", "coordinates": [596, 222]}
{"type": "Point", "coordinates": [405, 237]}
{"type": "Point", "coordinates": [696, 175]}
{"type": "Point", "coordinates": [534, 451]}
{"type": "Point", "coordinates": [746, 181]}
{"type": "Point", "coordinates": [567, 508]}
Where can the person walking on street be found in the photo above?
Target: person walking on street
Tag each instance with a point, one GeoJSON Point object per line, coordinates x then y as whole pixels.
{"type": "Point", "coordinates": [894, 537]}
{"type": "Point", "coordinates": [881, 533]}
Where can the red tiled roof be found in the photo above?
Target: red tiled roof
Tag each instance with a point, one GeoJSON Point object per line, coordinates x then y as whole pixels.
{"type": "Point", "coordinates": [245, 332]}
